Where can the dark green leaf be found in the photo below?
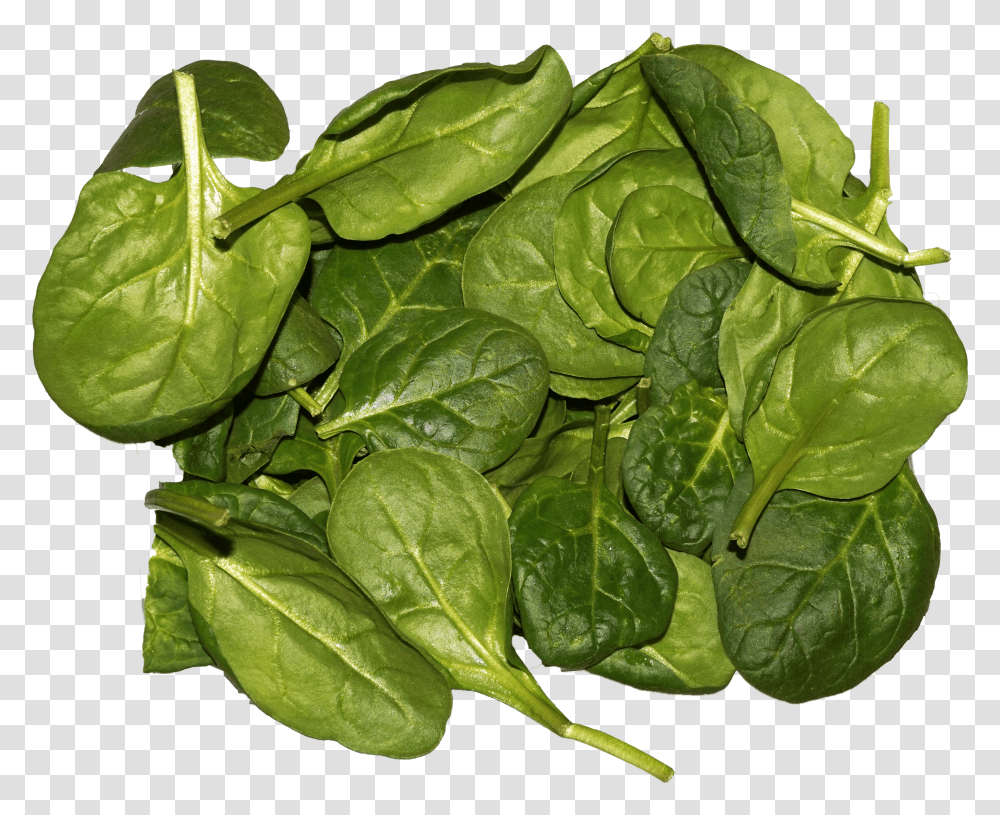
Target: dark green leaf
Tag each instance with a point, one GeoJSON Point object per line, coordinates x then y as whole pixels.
{"type": "Point", "coordinates": [461, 382]}
{"type": "Point", "coordinates": [679, 466]}
{"type": "Point", "coordinates": [241, 116]}
{"type": "Point", "coordinates": [258, 426]}
{"type": "Point", "coordinates": [828, 591]}
{"type": "Point", "coordinates": [303, 348]}
{"type": "Point", "coordinates": [685, 343]}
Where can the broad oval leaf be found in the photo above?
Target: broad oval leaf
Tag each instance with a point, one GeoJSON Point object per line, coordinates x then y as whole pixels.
{"type": "Point", "coordinates": [583, 225]}
{"type": "Point", "coordinates": [241, 117]}
{"type": "Point", "coordinates": [509, 271]}
{"type": "Point", "coordinates": [303, 348]}
{"type": "Point", "coordinates": [679, 466]}
{"type": "Point", "coordinates": [685, 342]}
{"type": "Point", "coordinates": [145, 325]}
{"type": "Point", "coordinates": [461, 382]}
{"type": "Point", "coordinates": [861, 385]}
{"type": "Point", "coordinates": [299, 637]}
{"type": "Point", "coordinates": [688, 657]}
{"type": "Point", "coordinates": [828, 591]}
{"type": "Point", "coordinates": [430, 144]}
{"type": "Point", "coordinates": [660, 235]}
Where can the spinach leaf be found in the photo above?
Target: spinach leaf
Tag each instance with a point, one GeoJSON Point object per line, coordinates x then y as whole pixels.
{"type": "Point", "coordinates": [685, 342]}
{"type": "Point", "coordinates": [461, 382]}
{"type": "Point", "coordinates": [659, 236]}
{"type": "Point", "coordinates": [112, 350]}
{"type": "Point", "coordinates": [412, 150]}
{"type": "Point", "coordinates": [169, 640]}
{"type": "Point", "coordinates": [862, 385]}
{"type": "Point", "coordinates": [427, 539]}
{"type": "Point", "coordinates": [828, 591]}
{"type": "Point", "coordinates": [303, 348]}
{"type": "Point", "coordinates": [679, 466]}
{"type": "Point", "coordinates": [688, 657]}
{"type": "Point", "coordinates": [588, 578]}
{"type": "Point", "coordinates": [241, 116]}
{"type": "Point", "coordinates": [201, 451]}
{"type": "Point", "coordinates": [312, 497]}
{"type": "Point", "coordinates": [365, 287]}
{"type": "Point", "coordinates": [595, 390]}
{"type": "Point", "coordinates": [612, 113]}
{"type": "Point", "coordinates": [259, 425]}
{"type": "Point", "coordinates": [299, 637]}
{"type": "Point", "coordinates": [509, 271]}
{"type": "Point", "coordinates": [583, 225]}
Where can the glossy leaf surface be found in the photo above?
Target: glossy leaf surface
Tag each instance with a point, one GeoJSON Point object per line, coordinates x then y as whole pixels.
{"type": "Point", "coordinates": [241, 116]}
{"type": "Point", "coordinates": [660, 235]}
{"type": "Point", "coordinates": [828, 591]}
{"type": "Point", "coordinates": [461, 382]}
{"type": "Point", "coordinates": [144, 325]}
{"type": "Point", "coordinates": [679, 467]}
{"type": "Point", "coordinates": [685, 342]}
{"type": "Point", "coordinates": [441, 141]}
{"type": "Point", "coordinates": [259, 425]}
{"type": "Point", "coordinates": [299, 637]}
{"type": "Point", "coordinates": [689, 657]}
{"type": "Point", "coordinates": [588, 578]}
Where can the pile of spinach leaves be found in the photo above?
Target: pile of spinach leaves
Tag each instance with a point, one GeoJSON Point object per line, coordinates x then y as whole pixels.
{"type": "Point", "coordinates": [632, 369]}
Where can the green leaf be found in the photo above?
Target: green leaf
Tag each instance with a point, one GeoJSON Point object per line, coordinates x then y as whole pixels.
{"type": "Point", "coordinates": [583, 226]}
{"type": "Point", "coordinates": [612, 113]}
{"type": "Point", "coordinates": [588, 578]}
{"type": "Point", "coordinates": [509, 271]}
{"type": "Point", "coordinates": [303, 348]}
{"type": "Point", "coordinates": [595, 390]}
{"type": "Point", "coordinates": [144, 325]}
{"type": "Point", "coordinates": [685, 343]}
{"type": "Point", "coordinates": [258, 426]}
{"type": "Point", "coordinates": [461, 382]}
{"type": "Point", "coordinates": [420, 146]}
{"type": "Point", "coordinates": [313, 499]}
{"type": "Point", "coordinates": [241, 117]}
{"type": "Point", "coordinates": [426, 537]}
{"type": "Point", "coordinates": [689, 657]}
{"type": "Point", "coordinates": [862, 385]}
{"type": "Point", "coordinates": [679, 467]}
{"type": "Point", "coordinates": [365, 287]}
{"type": "Point", "coordinates": [298, 636]}
{"type": "Point", "coordinates": [201, 451]}
{"type": "Point", "coordinates": [169, 640]}
{"type": "Point", "coordinates": [828, 591]}
{"type": "Point", "coordinates": [660, 235]}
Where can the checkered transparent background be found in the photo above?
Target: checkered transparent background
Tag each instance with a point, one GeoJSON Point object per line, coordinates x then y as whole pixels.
{"type": "Point", "coordinates": [82, 729]}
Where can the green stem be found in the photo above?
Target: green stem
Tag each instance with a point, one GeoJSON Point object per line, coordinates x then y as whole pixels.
{"type": "Point", "coordinates": [301, 395]}
{"type": "Point", "coordinates": [865, 240]}
{"type": "Point", "coordinates": [879, 166]}
{"type": "Point", "coordinates": [643, 395]}
{"type": "Point", "coordinates": [762, 493]}
{"type": "Point", "coordinates": [329, 388]}
{"type": "Point", "coordinates": [285, 191]}
{"type": "Point", "coordinates": [194, 509]}
{"type": "Point", "coordinates": [271, 484]}
{"type": "Point", "coordinates": [618, 749]}
{"type": "Point", "coordinates": [599, 445]}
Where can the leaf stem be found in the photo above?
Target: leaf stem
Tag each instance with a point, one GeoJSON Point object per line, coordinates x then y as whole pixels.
{"type": "Point", "coordinates": [283, 192]}
{"type": "Point", "coordinates": [329, 388]}
{"type": "Point", "coordinates": [878, 176]}
{"type": "Point", "coordinates": [762, 493]}
{"type": "Point", "coordinates": [301, 395]}
{"type": "Point", "coordinates": [643, 395]}
{"type": "Point", "coordinates": [866, 241]}
{"type": "Point", "coordinates": [619, 749]}
{"type": "Point", "coordinates": [599, 445]}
